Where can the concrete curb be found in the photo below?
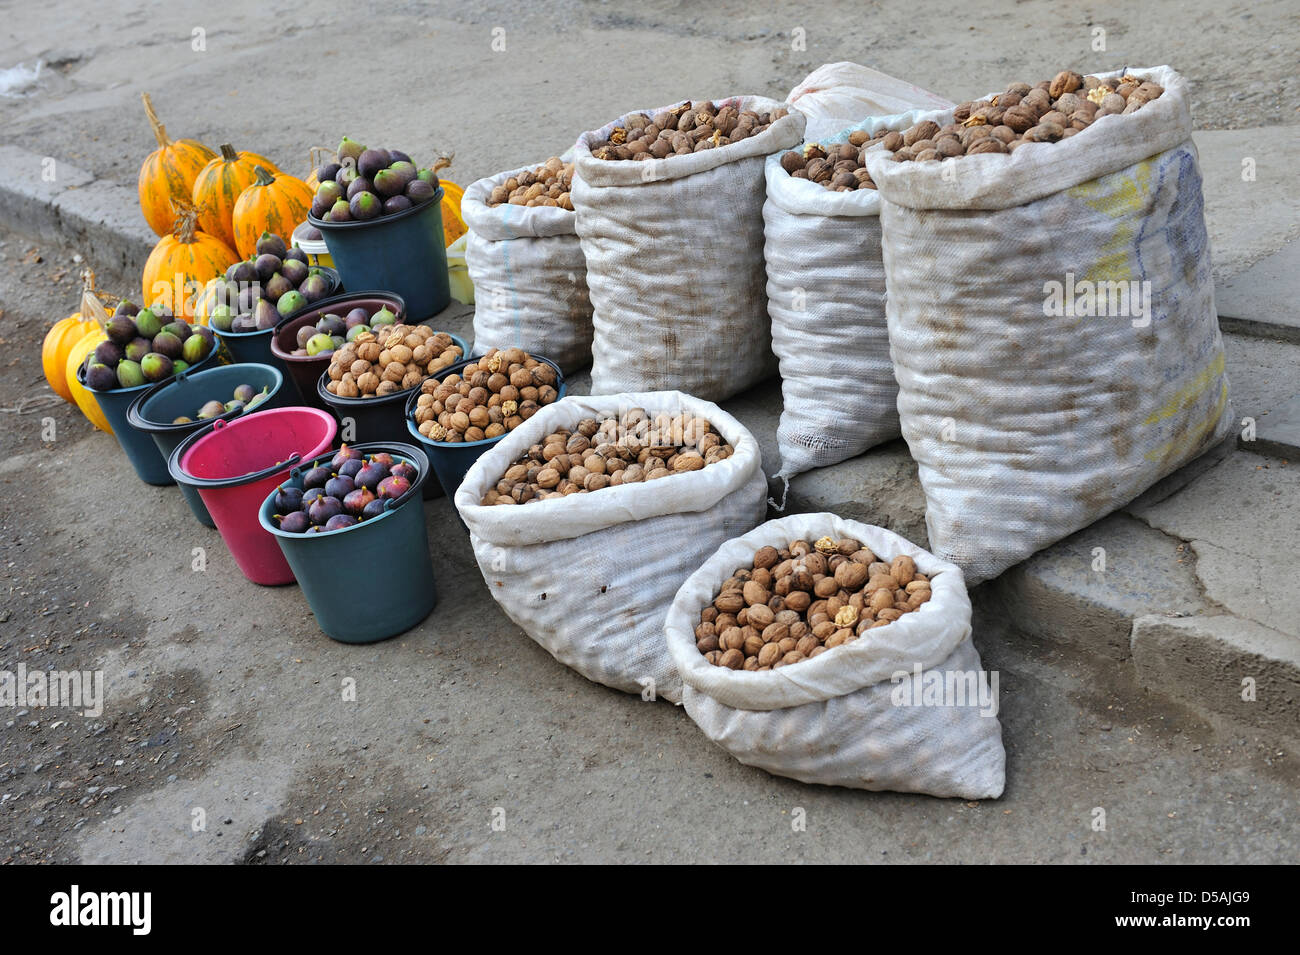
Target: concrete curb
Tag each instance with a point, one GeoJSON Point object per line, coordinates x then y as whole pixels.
{"type": "Point", "coordinates": [55, 201]}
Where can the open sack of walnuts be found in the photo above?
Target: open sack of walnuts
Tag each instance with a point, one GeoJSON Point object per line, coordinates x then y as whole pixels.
{"type": "Point", "coordinates": [826, 299]}
{"type": "Point", "coordinates": [595, 540]}
{"type": "Point", "coordinates": [674, 252]}
{"type": "Point", "coordinates": [528, 269]}
{"type": "Point", "coordinates": [838, 705]}
{"type": "Point", "coordinates": [1073, 272]}
{"type": "Point", "coordinates": [392, 359]}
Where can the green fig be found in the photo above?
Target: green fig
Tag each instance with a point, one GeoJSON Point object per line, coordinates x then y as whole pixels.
{"type": "Point", "coordinates": [147, 323]}
{"type": "Point", "coordinates": [156, 367]}
{"type": "Point", "coordinates": [290, 302]}
{"type": "Point", "coordinates": [129, 374]}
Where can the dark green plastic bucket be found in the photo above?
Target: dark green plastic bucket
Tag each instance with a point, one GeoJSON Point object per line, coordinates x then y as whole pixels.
{"type": "Point", "coordinates": [255, 347]}
{"type": "Point", "coordinates": [183, 394]}
{"type": "Point", "coordinates": [149, 462]}
{"type": "Point", "coordinates": [396, 541]}
{"type": "Point", "coordinates": [404, 253]}
{"type": "Point", "coordinates": [451, 461]}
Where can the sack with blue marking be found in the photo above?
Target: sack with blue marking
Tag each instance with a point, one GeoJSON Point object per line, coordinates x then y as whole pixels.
{"type": "Point", "coordinates": [1052, 327]}
{"type": "Point", "coordinates": [529, 274]}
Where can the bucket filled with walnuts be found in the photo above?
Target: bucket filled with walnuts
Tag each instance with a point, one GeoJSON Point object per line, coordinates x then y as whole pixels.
{"type": "Point", "coordinates": [587, 517]}
{"type": "Point", "coordinates": [792, 640]}
{"type": "Point", "coordinates": [459, 413]}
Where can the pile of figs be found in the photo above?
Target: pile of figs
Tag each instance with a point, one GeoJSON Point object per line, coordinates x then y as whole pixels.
{"type": "Point", "coordinates": [350, 489]}
{"type": "Point", "coordinates": [257, 293]}
{"type": "Point", "coordinates": [145, 345]}
{"type": "Point", "coordinates": [364, 184]}
{"type": "Point", "coordinates": [243, 399]}
{"type": "Point", "coordinates": [331, 331]}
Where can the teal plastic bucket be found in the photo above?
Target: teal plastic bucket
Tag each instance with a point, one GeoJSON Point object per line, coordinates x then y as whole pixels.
{"type": "Point", "coordinates": [396, 541]}
{"type": "Point", "coordinates": [149, 462]}
{"type": "Point", "coordinates": [154, 411]}
{"type": "Point", "coordinates": [403, 253]}
{"type": "Point", "coordinates": [451, 461]}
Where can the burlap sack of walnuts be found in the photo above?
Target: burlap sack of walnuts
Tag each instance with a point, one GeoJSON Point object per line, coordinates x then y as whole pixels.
{"type": "Point", "coordinates": [674, 251]}
{"type": "Point", "coordinates": [530, 277]}
{"type": "Point", "coordinates": [1027, 427]}
{"type": "Point", "coordinates": [590, 576]}
{"type": "Point", "coordinates": [826, 299]}
{"type": "Point", "coordinates": [834, 719]}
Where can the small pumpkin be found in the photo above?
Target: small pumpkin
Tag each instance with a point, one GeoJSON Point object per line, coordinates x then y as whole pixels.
{"type": "Point", "coordinates": [219, 184]}
{"type": "Point", "coordinates": [58, 343]}
{"type": "Point", "coordinates": [168, 174]}
{"type": "Point", "coordinates": [274, 203]}
{"type": "Point", "coordinates": [84, 399]}
{"type": "Point", "coordinates": [182, 263]}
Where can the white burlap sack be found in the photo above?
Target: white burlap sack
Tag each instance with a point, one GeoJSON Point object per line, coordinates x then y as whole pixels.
{"type": "Point", "coordinates": [837, 95]}
{"type": "Point", "coordinates": [529, 275]}
{"type": "Point", "coordinates": [674, 251]}
{"type": "Point", "coordinates": [590, 576]}
{"type": "Point", "coordinates": [826, 299]}
{"type": "Point", "coordinates": [850, 716]}
{"type": "Point", "coordinates": [1029, 421]}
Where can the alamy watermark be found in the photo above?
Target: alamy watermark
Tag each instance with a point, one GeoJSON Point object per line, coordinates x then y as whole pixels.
{"type": "Point", "coordinates": [946, 688]}
{"type": "Point", "coordinates": [73, 689]}
{"type": "Point", "coordinates": [1071, 299]}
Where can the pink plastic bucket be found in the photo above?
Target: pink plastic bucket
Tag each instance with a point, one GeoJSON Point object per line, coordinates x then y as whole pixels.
{"type": "Point", "coordinates": [236, 464]}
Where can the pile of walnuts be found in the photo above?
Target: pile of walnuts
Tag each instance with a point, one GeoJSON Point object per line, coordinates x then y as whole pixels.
{"type": "Point", "coordinates": [840, 168]}
{"type": "Point", "coordinates": [628, 449]}
{"type": "Point", "coordinates": [547, 185]}
{"type": "Point", "coordinates": [687, 128]}
{"type": "Point", "coordinates": [391, 359]}
{"type": "Point", "coordinates": [796, 603]}
{"type": "Point", "coordinates": [488, 397]}
{"type": "Point", "coordinates": [1053, 110]}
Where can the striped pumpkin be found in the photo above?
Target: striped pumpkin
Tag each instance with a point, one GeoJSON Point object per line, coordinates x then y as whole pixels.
{"type": "Point", "coordinates": [218, 187]}
{"type": "Point", "coordinates": [182, 263]}
{"type": "Point", "coordinates": [274, 203]}
{"type": "Point", "coordinates": [168, 173]}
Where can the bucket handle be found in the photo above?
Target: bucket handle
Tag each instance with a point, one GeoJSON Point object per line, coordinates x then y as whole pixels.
{"type": "Point", "coordinates": [241, 479]}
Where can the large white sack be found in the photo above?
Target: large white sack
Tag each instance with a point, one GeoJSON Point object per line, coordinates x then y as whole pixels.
{"type": "Point", "coordinates": [674, 251]}
{"type": "Point", "coordinates": [590, 576]}
{"type": "Point", "coordinates": [1026, 425]}
{"type": "Point", "coordinates": [826, 299]}
{"type": "Point", "coordinates": [529, 275]}
{"type": "Point", "coordinates": [837, 95]}
{"type": "Point", "coordinates": [840, 718]}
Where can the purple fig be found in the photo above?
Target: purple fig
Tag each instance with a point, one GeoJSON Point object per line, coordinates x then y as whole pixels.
{"type": "Point", "coordinates": [295, 522]}
{"type": "Point", "coordinates": [323, 508]}
{"type": "Point", "coordinates": [365, 205]}
{"type": "Point", "coordinates": [396, 204]}
{"type": "Point", "coordinates": [393, 487]}
{"type": "Point", "coordinates": [405, 470]}
{"type": "Point", "coordinates": [288, 499]}
{"type": "Point", "coordinates": [344, 453]}
{"type": "Point", "coordinates": [339, 487]}
{"type": "Point", "coordinates": [370, 475]}
{"type": "Point", "coordinates": [373, 160]}
{"type": "Point", "coordinates": [374, 509]}
{"type": "Point", "coordinates": [340, 521]}
{"type": "Point", "coordinates": [316, 477]}
{"type": "Point", "coordinates": [419, 191]}
{"type": "Point", "coordinates": [356, 501]}
{"type": "Point", "coordinates": [266, 265]}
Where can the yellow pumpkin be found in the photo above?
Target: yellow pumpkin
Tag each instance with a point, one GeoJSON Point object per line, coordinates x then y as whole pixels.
{"type": "Point", "coordinates": [168, 173]}
{"type": "Point", "coordinates": [58, 343]}
{"type": "Point", "coordinates": [453, 226]}
{"type": "Point", "coordinates": [182, 263]}
{"type": "Point", "coordinates": [219, 184]}
{"type": "Point", "coordinates": [80, 394]}
{"type": "Point", "coordinates": [274, 203]}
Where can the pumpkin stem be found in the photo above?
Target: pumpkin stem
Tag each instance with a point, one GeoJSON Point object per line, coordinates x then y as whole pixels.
{"type": "Point", "coordinates": [228, 153]}
{"type": "Point", "coordinates": [443, 161]}
{"type": "Point", "coordinates": [264, 178]}
{"type": "Point", "coordinates": [316, 158]}
{"type": "Point", "coordinates": [186, 222]}
{"type": "Point", "coordinates": [159, 130]}
{"type": "Point", "coordinates": [90, 304]}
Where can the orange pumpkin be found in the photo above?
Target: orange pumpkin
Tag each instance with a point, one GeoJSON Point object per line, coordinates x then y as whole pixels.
{"type": "Point", "coordinates": [168, 173]}
{"type": "Point", "coordinates": [274, 203]}
{"type": "Point", "coordinates": [218, 186]}
{"type": "Point", "coordinates": [59, 340]}
{"type": "Point", "coordinates": [80, 394]}
{"type": "Point", "coordinates": [182, 263]}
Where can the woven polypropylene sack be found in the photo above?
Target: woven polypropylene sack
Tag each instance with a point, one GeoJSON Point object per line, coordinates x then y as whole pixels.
{"type": "Point", "coordinates": [837, 95]}
{"type": "Point", "coordinates": [529, 275]}
{"type": "Point", "coordinates": [1029, 421]}
{"type": "Point", "coordinates": [674, 251]}
{"type": "Point", "coordinates": [826, 299]}
{"type": "Point", "coordinates": [850, 716]}
{"type": "Point", "coordinates": [590, 576]}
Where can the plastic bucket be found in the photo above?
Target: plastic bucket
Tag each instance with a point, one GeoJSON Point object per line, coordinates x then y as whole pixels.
{"type": "Point", "coordinates": [183, 394]}
{"type": "Point", "coordinates": [304, 370]}
{"type": "Point", "coordinates": [236, 464]}
{"type": "Point", "coordinates": [405, 253]}
{"type": "Point", "coordinates": [255, 347]}
{"type": "Point", "coordinates": [378, 419]}
{"type": "Point", "coordinates": [451, 460]}
{"type": "Point", "coordinates": [397, 541]}
{"type": "Point", "coordinates": [317, 252]}
{"type": "Point", "coordinates": [150, 464]}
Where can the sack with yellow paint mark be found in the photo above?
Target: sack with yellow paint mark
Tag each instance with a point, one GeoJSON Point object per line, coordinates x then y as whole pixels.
{"type": "Point", "coordinates": [1052, 327]}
